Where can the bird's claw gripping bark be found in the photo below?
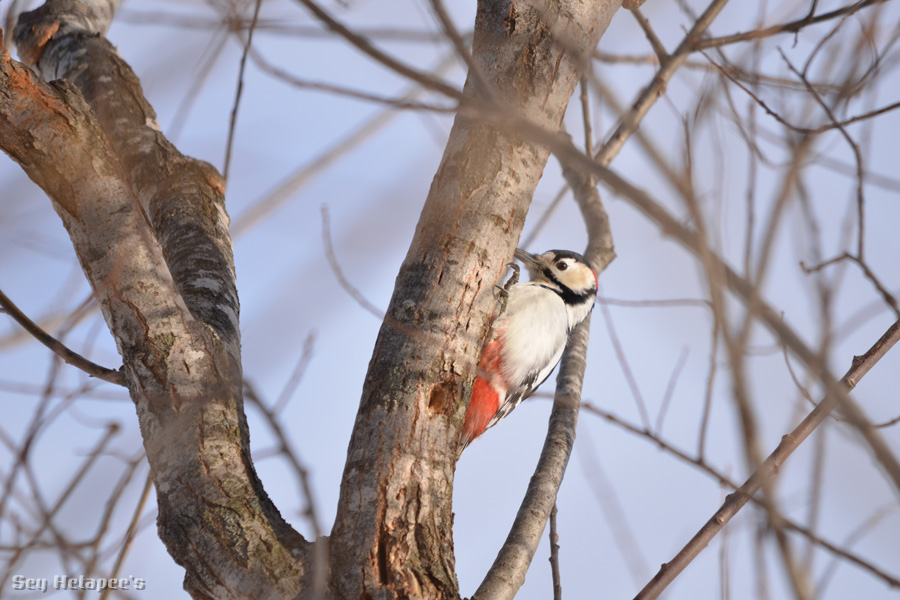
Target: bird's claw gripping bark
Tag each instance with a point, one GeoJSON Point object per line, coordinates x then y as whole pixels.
{"type": "Point", "coordinates": [504, 291]}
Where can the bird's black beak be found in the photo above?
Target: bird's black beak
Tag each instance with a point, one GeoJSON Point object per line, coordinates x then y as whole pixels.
{"type": "Point", "coordinates": [526, 257]}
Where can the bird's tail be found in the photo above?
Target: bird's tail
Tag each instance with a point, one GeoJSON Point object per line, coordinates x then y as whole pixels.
{"type": "Point", "coordinates": [484, 404]}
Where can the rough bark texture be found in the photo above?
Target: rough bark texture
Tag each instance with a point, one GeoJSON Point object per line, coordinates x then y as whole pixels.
{"type": "Point", "coordinates": [150, 229]}
{"type": "Point", "coordinates": [392, 537]}
{"type": "Point", "coordinates": [182, 197]}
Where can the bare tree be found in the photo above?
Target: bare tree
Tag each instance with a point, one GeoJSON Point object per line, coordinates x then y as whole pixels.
{"type": "Point", "coordinates": [149, 228]}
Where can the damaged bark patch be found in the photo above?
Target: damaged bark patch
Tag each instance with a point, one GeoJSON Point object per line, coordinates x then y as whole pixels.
{"type": "Point", "coordinates": [442, 399]}
{"type": "Point", "coordinates": [383, 571]}
{"type": "Point", "coordinates": [509, 23]}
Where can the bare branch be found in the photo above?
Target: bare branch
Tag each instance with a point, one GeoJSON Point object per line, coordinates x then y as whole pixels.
{"type": "Point", "coordinates": [68, 356]}
{"type": "Point", "coordinates": [670, 389]}
{"type": "Point", "coordinates": [661, 55]}
{"type": "Point", "coordinates": [240, 89]}
{"type": "Point", "coordinates": [404, 102]}
{"type": "Point", "coordinates": [888, 297]}
{"type": "Point", "coordinates": [723, 480]}
{"type": "Point", "coordinates": [77, 478]}
{"type": "Point", "coordinates": [296, 375]}
{"type": "Point", "coordinates": [339, 273]}
{"type": "Point", "coordinates": [484, 86]}
{"type": "Point", "coordinates": [395, 507]}
{"type": "Point", "coordinates": [508, 571]}
{"type": "Point", "coordinates": [275, 27]}
{"type": "Point", "coordinates": [130, 532]}
{"type": "Point", "coordinates": [554, 556]}
{"type": "Point", "coordinates": [790, 27]}
{"type": "Point", "coordinates": [769, 467]}
{"type": "Point", "coordinates": [630, 122]}
{"type": "Point", "coordinates": [285, 190]}
{"type": "Point", "coordinates": [425, 79]}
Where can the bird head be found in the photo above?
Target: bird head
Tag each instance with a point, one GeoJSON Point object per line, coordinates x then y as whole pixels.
{"type": "Point", "coordinates": [567, 271]}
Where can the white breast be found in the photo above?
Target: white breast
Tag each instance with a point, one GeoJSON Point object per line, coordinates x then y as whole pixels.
{"type": "Point", "coordinates": [534, 330]}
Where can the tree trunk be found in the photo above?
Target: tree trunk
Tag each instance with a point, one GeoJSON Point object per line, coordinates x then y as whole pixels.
{"type": "Point", "coordinates": [392, 537]}
{"type": "Point", "coordinates": [150, 229]}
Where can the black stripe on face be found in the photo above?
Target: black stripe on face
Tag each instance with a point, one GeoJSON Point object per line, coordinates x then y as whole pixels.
{"type": "Point", "coordinates": [567, 295]}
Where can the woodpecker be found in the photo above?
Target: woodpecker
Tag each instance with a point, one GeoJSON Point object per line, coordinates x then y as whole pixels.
{"type": "Point", "coordinates": [529, 335]}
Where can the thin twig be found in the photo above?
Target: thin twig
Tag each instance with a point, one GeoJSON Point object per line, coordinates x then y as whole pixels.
{"type": "Point", "coordinates": [860, 170]}
{"type": "Point", "coordinates": [319, 566]}
{"type": "Point", "coordinates": [112, 502]}
{"type": "Point", "coordinates": [662, 303]}
{"type": "Point", "coordinates": [833, 124]}
{"type": "Point", "coordinates": [296, 375]}
{"type": "Point", "coordinates": [130, 532]}
{"type": "Point", "coordinates": [661, 55]}
{"type": "Point", "coordinates": [240, 90]}
{"type": "Point", "coordinates": [790, 27]}
{"type": "Point", "coordinates": [631, 120]}
{"type": "Point", "coordinates": [722, 479]}
{"type": "Point", "coordinates": [462, 50]}
{"type": "Point", "coordinates": [769, 467]}
{"type": "Point", "coordinates": [545, 217]}
{"type": "Point", "coordinates": [305, 173]}
{"type": "Point", "coordinates": [888, 297]}
{"type": "Point", "coordinates": [623, 539]}
{"type": "Point", "coordinates": [840, 553]}
{"type": "Point", "coordinates": [586, 115]}
{"type": "Point", "coordinates": [554, 556]}
{"type": "Point", "coordinates": [575, 160]}
{"type": "Point", "coordinates": [626, 367]}
{"type": "Point", "coordinates": [47, 522]}
{"type": "Point", "coordinates": [400, 103]}
{"type": "Point", "coordinates": [274, 26]}
{"type": "Point", "coordinates": [670, 389]}
{"type": "Point", "coordinates": [285, 448]}
{"type": "Point", "coordinates": [67, 355]}
{"type": "Point", "coordinates": [707, 396]}
{"type": "Point", "coordinates": [425, 79]}
{"type": "Point", "coordinates": [339, 273]}
{"type": "Point", "coordinates": [207, 59]}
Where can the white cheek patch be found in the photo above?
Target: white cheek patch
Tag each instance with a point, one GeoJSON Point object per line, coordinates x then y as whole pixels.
{"type": "Point", "coordinates": [577, 279]}
{"type": "Point", "coordinates": [588, 280]}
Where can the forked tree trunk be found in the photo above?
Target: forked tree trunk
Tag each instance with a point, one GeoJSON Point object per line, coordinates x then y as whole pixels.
{"type": "Point", "coordinates": [150, 230]}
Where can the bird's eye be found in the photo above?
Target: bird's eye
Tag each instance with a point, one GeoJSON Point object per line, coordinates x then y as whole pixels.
{"type": "Point", "coordinates": [561, 265]}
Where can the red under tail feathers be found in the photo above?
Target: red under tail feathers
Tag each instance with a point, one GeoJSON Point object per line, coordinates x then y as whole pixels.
{"type": "Point", "coordinates": [484, 405]}
{"type": "Point", "coordinates": [485, 396]}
